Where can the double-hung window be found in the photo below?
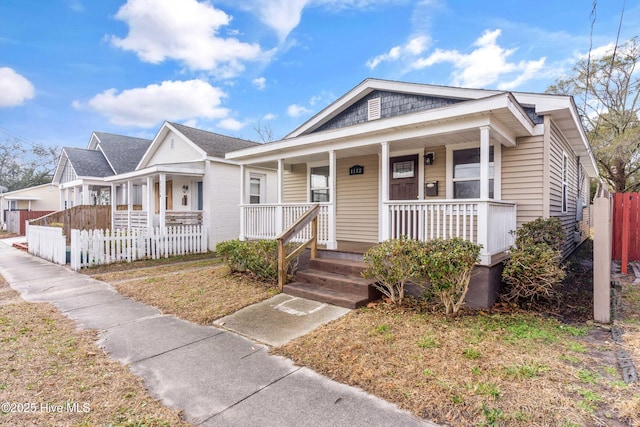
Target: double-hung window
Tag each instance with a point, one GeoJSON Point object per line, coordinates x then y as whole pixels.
{"type": "Point", "coordinates": [256, 189]}
{"type": "Point", "coordinates": [466, 173]}
{"type": "Point", "coordinates": [319, 184]}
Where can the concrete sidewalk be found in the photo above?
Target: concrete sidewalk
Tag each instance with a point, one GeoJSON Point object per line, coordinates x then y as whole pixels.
{"type": "Point", "coordinates": [218, 378]}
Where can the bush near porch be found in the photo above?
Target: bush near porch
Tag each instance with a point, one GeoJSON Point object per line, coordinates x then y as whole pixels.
{"type": "Point", "coordinates": [258, 257]}
{"type": "Point", "coordinates": [441, 266]}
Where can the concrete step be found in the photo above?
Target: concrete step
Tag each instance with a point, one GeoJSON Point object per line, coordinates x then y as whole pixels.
{"type": "Point", "coordinates": [338, 282]}
{"type": "Point", "coordinates": [346, 267]}
{"type": "Point", "coordinates": [326, 295]}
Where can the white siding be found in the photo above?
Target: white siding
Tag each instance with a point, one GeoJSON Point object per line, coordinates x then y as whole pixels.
{"type": "Point", "coordinates": [437, 171]}
{"type": "Point", "coordinates": [222, 202]}
{"type": "Point", "coordinates": [182, 151]}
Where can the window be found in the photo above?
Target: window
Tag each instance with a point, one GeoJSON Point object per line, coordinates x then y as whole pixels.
{"type": "Point", "coordinates": [565, 179]}
{"type": "Point", "coordinates": [466, 173]}
{"type": "Point", "coordinates": [319, 182]}
{"type": "Point", "coordinates": [136, 195]}
{"type": "Point", "coordinates": [254, 190]}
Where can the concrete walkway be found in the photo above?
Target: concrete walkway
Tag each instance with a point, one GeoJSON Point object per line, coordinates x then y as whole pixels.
{"type": "Point", "coordinates": [217, 377]}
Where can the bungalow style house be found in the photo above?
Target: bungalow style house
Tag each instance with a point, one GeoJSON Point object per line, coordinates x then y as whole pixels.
{"type": "Point", "coordinates": [81, 172]}
{"type": "Point", "coordinates": [183, 178]}
{"type": "Point", "coordinates": [391, 158]}
{"type": "Point", "coordinates": [27, 203]}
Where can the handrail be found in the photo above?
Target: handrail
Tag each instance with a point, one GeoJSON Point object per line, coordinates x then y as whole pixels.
{"type": "Point", "coordinates": [310, 216]}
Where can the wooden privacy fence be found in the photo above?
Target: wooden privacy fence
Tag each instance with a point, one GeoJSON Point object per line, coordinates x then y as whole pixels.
{"type": "Point", "coordinates": [16, 220]}
{"type": "Point", "coordinates": [82, 217]}
{"type": "Point", "coordinates": [47, 243]}
{"type": "Point", "coordinates": [626, 228]}
{"type": "Point", "coordinates": [94, 247]}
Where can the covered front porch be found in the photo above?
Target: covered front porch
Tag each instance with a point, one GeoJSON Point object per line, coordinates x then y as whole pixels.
{"type": "Point", "coordinates": [159, 196]}
{"type": "Point", "coordinates": [485, 222]}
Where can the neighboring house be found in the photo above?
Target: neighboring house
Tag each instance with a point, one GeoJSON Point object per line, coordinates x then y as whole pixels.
{"type": "Point", "coordinates": [184, 179]}
{"type": "Point", "coordinates": [27, 203]}
{"type": "Point", "coordinates": [392, 158]}
{"type": "Point", "coordinates": [81, 172]}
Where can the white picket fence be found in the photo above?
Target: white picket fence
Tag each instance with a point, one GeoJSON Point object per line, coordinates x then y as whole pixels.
{"type": "Point", "coordinates": [94, 247]}
{"type": "Point", "coordinates": [47, 242]}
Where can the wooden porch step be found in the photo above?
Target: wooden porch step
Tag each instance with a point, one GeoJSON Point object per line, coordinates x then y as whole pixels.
{"type": "Point", "coordinates": [327, 295]}
{"type": "Point", "coordinates": [337, 282]}
{"type": "Point", "coordinates": [349, 267]}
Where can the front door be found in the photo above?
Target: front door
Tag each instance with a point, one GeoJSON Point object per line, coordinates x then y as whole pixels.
{"type": "Point", "coordinates": [403, 178]}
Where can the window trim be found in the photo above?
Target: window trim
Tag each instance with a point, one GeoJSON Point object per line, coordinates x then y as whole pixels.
{"type": "Point", "coordinates": [497, 168]}
{"type": "Point", "coordinates": [262, 179]}
{"type": "Point", "coordinates": [311, 165]}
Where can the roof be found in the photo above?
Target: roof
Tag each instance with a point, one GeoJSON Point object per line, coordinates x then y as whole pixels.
{"type": "Point", "coordinates": [213, 144]}
{"type": "Point", "coordinates": [88, 162]}
{"type": "Point", "coordinates": [123, 153]}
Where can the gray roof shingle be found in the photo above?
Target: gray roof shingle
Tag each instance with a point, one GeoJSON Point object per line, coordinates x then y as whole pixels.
{"type": "Point", "coordinates": [88, 162]}
{"type": "Point", "coordinates": [123, 152]}
{"type": "Point", "coordinates": [213, 144]}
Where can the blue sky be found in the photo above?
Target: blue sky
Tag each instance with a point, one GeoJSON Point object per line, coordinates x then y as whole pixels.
{"type": "Point", "coordinates": [71, 67]}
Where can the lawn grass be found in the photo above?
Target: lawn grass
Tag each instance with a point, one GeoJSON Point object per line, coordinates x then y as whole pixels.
{"type": "Point", "coordinates": [200, 295]}
{"type": "Point", "coordinates": [51, 366]}
{"type": "Point", "coordinates": [475, 369]}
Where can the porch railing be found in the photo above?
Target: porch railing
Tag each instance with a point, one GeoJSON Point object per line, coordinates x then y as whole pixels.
{"type": "Point", "coordinates": [266, 221]}
{"type": "Point", "coordinates": [183, 218]}
{"type": "Point", "coordinates": [308, 220]}
{"type": "Point", "coordinates": [138, 219]}
{"type": "Point", "coordinates": [484, 222]}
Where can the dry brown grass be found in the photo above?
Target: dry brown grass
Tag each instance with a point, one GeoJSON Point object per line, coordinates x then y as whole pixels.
{"type": "Point", "coordinates": [476, 369]}
{"type": "Point", "coordinates": [150, 263]}
{"type": "Point", "coordinates": [158, 270]}
{"type": "Point", "coordinates": [200, 295]}
{"type": "Point", "coordinates": [47, 362]}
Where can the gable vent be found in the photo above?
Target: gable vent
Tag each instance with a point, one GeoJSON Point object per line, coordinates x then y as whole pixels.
{"type": "Point", "coordinates": [374, 109]}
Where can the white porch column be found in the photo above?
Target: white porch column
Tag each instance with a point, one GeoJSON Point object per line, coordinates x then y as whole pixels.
{"type": "Point", "coordinates": [67, 198]}
{"type": "Point", "coordinates": [483, 206]}
{"type": "Point", "coordinates": [332, 243]}
{"type": "Point", "coordinates": [280, 208]}
{"type": "Point", "coordinates": [129, 202]}
{"type": "Point", "coordinates": [385, 232]}
{"type": "Point", "coordinates": [86, 197]}
{"type": "Point", "coordinates": [77, 196]}
{"type": "Point", "coordinates": [114, 204]}
{"type": "Point", "coordinates": [62, 200]}
{"type": "Point", "coordinates": [151, 207]}
{"type": "Point", "coordinates": [484, 162]}
{"type": "Point", "coordinates": [163, 199]}
{"type": "Point", "coordinates": [242, 199]}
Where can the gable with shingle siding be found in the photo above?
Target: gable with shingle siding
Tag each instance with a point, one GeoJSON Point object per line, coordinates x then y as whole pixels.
{"type": "Point", "coordinates": [391, 104]}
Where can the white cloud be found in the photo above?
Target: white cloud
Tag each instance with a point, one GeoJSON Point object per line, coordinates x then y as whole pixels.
{"type": "Point", "coordinates": [14, 87]}
{"type": "Point", "coordinates": [231, 124]}
{"type": "Point", "coordinates": [283, 16]}
{"type": "Point", "coordinates": [597, 52]}
{"type": "Point", "coordinates": [185, 31]}
{"type": "Point", "coordinates": [260, 83]}
{"type": "Point", "coordinates": [325, 98]}
{"type": "Point", "coordinates": [413, 47]}
{"type": "Point", "coordinates": [295, 110]}
{"type": "Point", "coordinates": [149, 106]}
{"type": "Point", "coordinates": [75, 5]}
{"type": "Point", "coordinates": [270, 116]}
{"type": "Point", "coordinates": [486, 65]}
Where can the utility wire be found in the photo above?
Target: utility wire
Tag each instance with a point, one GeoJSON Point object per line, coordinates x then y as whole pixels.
{"type": "Point", "coordinates": [588, 77]}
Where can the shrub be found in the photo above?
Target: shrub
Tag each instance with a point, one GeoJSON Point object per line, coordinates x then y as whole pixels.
{"type": "Point", "coordinates": [259, 257]}
{"type": "Point", "coordinates": [392, 264]}
{"type": "Point", "coordinates": [534, 268]}
{"type": "Point", "coordinates": [447, 265]}
{"type": "Point", "coordinates": [541, 230]}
